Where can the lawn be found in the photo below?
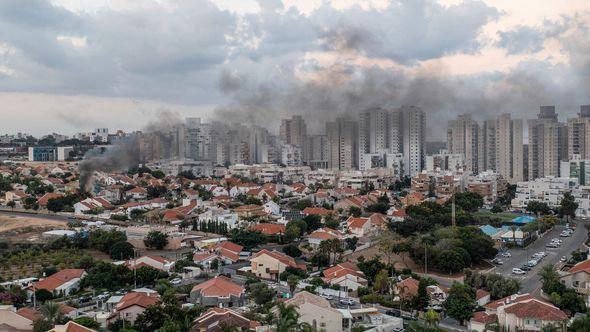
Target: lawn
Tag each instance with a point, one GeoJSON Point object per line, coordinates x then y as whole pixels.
{"type": "Point", "coordinates": [505, 216]}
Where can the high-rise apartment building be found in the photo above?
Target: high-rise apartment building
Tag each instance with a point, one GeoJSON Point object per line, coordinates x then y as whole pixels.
{"type": "Point", "coordinates": [374, 131]}
{"type": "Point", "coordinates": [317, 151]}
{"type": "Point", "coordinates": [293, 137]}
{"type": "Point", "coordinates": [412, 135]}
{"type": "Point", "coordinates": [342, 135]}
{"type": "Point", "coordinates": [508, 148]}
{"type": "Point", "coordinates": [488, 145]}
{"type": "Point", "coordinates": [579, 134]}
{"type": "Point", "coordinates": [547, 144]}
{"type": "Point", "coordinates": [463, 137]}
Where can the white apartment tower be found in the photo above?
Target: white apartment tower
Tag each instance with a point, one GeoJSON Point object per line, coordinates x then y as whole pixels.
{"type": "Point", "coordinates": [463, 137]}
{"type": "Point", "coordinates": [509, 148]}
{"type": "Point", "coordinates": [579, 134]}
{"type": "Point", "coordinates": [547, 144]}
{"type": "Point", "coordinates": [412, 135]}
{"type": "Point", "coordinates": [342, 144]}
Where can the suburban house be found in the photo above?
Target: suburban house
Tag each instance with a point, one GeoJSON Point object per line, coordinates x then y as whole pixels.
{"type": "Point", "coordinates": [323, 234]}
{"type": "Point", "coordinates": [482, 297]}
{"type": "Point", "coordinates": [269, 229]}
{"type": "Point", "coordinates": [317, 312]}
{"type": "Point", "coordinates": [157, 262]}
{"type": "Point", "coordinates": [346, 275]}
{"type": "Point", "coordinates": [358, 226]}
{"type": "Point", "coordinates": [578, 278]}
{"type": "Point", "coordinates": [270, 264]}
{"type": "Point", "coordinates": [220, 319]}
{"type": "Point", "coordinates": [62, 282]}
{"type": "Point", "coordinates": [218, 292]}
{"type": "Point", "coordinates": [71, 326]}
{"type": "Point", "coordinates": [519, 313]}
{"type": "Point", "coordinates": [132, 305]}
{"type": "Point", "coordinates": [10, 320]}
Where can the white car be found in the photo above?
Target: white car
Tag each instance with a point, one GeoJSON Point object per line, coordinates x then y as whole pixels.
{"type": "Point", "coordinates": [518, 271]}
{"type": "Point", "coordinates": [564, 234]}
{"type": "Point", "coordinates": [532, 262]}
{"type": "Point", "coordinates": [347, 301]}
{"type": "Point", "coordinates": [326, 296]}
{"type": "Point", "coordinates": [563, 259]}
{"type": "Point", "coordinates": [176, 281]}
{"type": "Point", "coordinates": [507, 255]}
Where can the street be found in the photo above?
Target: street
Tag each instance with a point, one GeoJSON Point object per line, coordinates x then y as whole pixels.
{"type": "Point", "coordinates": [530, 282]}
{"type": "Point", "coordinates": [35, 215]}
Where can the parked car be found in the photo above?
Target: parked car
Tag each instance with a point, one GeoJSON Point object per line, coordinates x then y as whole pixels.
{"type": "Point", "coordinates": [533, 263]}
{"type": "Point", "coordinates": [518, 271]}
{"type": "Point", "coordinates": [563, 259]}
{"type": "Point", "coordinates": [497, 261]}
{"type": "Point", "coordinates": [552, 245]}
{"type": "Point", "coordinates": [326, 296]}
{"type": "Point", "coordinates": [564, 234]}
{"type": "Point", "coordinates": [525, 267]}
{"type": "Point", "coordinates": [176, 281]}
{"type": "Point", "coordinates": [347, 301]}
{"type": "Point", "coordinates": [506, 254]}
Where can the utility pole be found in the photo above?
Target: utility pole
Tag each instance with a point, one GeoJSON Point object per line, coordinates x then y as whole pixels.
{"type": "Point", "coordinates": [453, 219]}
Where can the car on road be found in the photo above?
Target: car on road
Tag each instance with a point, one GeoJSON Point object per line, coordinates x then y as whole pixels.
{"type": "Point", "coordinates": [394, 313]}
{"type": "Point", "coordinates": [518, 271]}
{"type": "Point", "coordinates": [563, 259]}
{"type": "Point", "coordinates": [326, 296]}
{"type": "Point", "coordinates": [176, 281]}
{"type": "Point", "coordinates": [565, 234]}
{"type": "Point", "coordinates": [506, 254]}
{"type": "Point", "coordinates": [552, 245]}
{"type": "Point", "coordinates": [346, 301]}
{"type": "Point", "coordinates": [525, 267]}
{"type": "Point", "coordinates": [532, 263]}
{"type": "Point", "coordinates": [497, 261]}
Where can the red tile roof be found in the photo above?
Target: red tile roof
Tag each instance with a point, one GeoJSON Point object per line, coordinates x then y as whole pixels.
{"type": "Point", "coordinates": [45, 198]}
{"type": "Point", "coordinates": [59, 278]}
{"type": "Point", "coordinates": [534, 308]}
{"type": "Point", "coordinates": [342, 269]}
{"type": "Point", "coordinates": [269, 229]}
{"type": "Point", "coordinates": [219, 287]}
{"type": "Point", "coordinates": [409, 287]}
{"type": "Point", "coordinates": [143, 300]}
{"type": "Point", "coordinates": [480, 293]}
{"type": "Point", "coordinates": [287, 260]}
{"type": "Point", "coordinates": [357, 222]}
{"type": "Point", "coordinates": [320, 211]}
{"type": "Point", "coordinates": [508, 299]}
{"type": "Point", "coordinates": [482, 317]}
{"type": "Point", "coordinates": [582, 266]}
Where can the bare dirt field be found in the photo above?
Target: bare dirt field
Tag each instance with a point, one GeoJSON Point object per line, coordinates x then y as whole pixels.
{"type": "Point", "coordinates": [23, 228]}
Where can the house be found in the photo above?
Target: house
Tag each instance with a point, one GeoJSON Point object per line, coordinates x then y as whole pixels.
{"type": "Point", "coordinates": [91, 204]}
{"type": "Point", "coordinates": [407, 288]}
{"type": "Point", "coordinates": [10, 320]}
{"type": "Point", "coordinates": [519, 313]}
{"type": "Point", "coordinates": [359, 227]}
{"type": "Point", "coordinates": [218, 292]}
{"type": "Point", "coordinates": [219, 319]}
{"type": "Point", "coordinates": [71, 326]}
{"type": "Point", "coordinates": [346, 275]}
{"type": "Point", "coordinates": [156, 262]}
{"type": "Point", "coordinates": [62, 282]}
{"type": "Point", "coordinates": [318, 211]}
{"type": "Point", "coordinates": [247, 211]}
{"type": "Point", "coordinates": [269, 229]}
{"type": "Point", "coordinates": [323, 234]}
{"type": "Point", "coordinates": [272, 208]}
{"type": "Point", "coordinates": [204, 258]}
{"type": "Point", "coordinates": [482, 297]}
{"type": "Point", "coordinates": [45, 198]}
{"type": "Point", "coordinates": [578, 278]}
{"type": "Point", "coordinates": [317, 312]}
{"type": "Point", "coordinates": [270, 264]}
{"type": "Point", "coordinates": [137, 194]}
{"type": "Point", "coordinates": [17, 196]}
{"type": "Point", "coordinates": [480, 321]}
{"type": "Point", "coordinates": [228, 252]}
{"type": "Point", "coordinates": [132, 305]}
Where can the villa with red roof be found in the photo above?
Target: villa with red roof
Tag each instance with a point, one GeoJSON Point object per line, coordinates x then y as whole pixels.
{"type": "Point", "coordinates": [218, 292]}
{"type": "Point", "coordinates": [132, 305]}
{"type": "Point", "coordinates": [269, 229]}
{"type": "Point", "coordinates": [157, 262]}
{"type": "Point", "coordinates": [346, 275]}
{"type": "Point", "coordinates": [519, 313]}
{"type": "Point", "coordinates": [45, 198]}
{"type": "Point", "coordinates": [62, 282]}
{"type": "Point", "coordinates": [270, 264]}
{"type": "Point", "coordinates": [218, 319]}
{"type": "Point", "coordinates": [323, 234]}
{"type": "Point", "coordinates": [578, 278]}
{"type": "Point", "coordinates": [359, 226]}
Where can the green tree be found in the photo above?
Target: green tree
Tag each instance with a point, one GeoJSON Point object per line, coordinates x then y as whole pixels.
{"type": "Point", "coordinates": [156, 240]}
{"type": "Point", "coordinates": [580, 324]}
{"type": "Point", "coordinates": [550, 280]}
{"type": "Point", "coordinates": [421, 300]}
{"type": "Point", "coordinates": [260, 293]}
{"type": "Point", "coordinates": [88, 322]}
{"type": "Point", "coordinates": [122, 250]}
{"type": "Point", "coordinates": [460, 302]}
{"type": "Point", "coordinates": [292, 250]}
{"type": "Point", "coordinates": [432, 318]}
{"type": "Point", "coordinates": [568, 206]}
{"type": "Point", "coordinates": [292, 281]}
{"type": "Point", "coordinates": [42, 325]}
{"type": "Point", "coordinates": [287, 319]}
{"type": "Point", "coordinates": [51, 312]}
{"type": "Point", "coordinates": [381, 284]}
{"type": "Point", "coordinates": [351, 243]}
{"type": "Point", "coordinates": [43, 295]}
{"type": "Point", "coordinates": [11, 204]}
{"type": "Point", "coordinates": [355, 211]}
{"type": "Point", "coordinates": [469, 201]}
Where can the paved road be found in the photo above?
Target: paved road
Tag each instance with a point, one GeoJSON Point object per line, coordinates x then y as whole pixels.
{"type": "Point", "coordinates": [530, 282]}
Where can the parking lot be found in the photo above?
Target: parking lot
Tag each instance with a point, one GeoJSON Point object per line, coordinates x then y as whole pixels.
{"type": "Point", "coordinates": [530, 281]}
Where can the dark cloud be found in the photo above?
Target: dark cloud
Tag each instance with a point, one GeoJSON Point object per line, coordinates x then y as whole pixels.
{"type": "Point", "coordinates": [522, 39]}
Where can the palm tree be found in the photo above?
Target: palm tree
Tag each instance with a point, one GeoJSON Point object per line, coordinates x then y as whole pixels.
{"type": "Point", "coordinates": [548, 276]}
{"type": "Point", "coordinates": [51, 311]}
{"type": "Point", "coordinates": [292, 281]}
{"type": "Point", "coordinates": [287, 320]}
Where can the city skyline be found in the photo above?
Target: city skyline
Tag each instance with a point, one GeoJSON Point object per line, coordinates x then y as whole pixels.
{"type": "Point", "coordinates": [505, 57]}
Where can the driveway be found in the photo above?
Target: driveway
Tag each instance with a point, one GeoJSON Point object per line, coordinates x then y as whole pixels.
{"type": "Point", "coordinates": [530, 282]}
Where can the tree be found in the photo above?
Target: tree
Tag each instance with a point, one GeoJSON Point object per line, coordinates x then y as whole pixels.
{"type": "Point", "coordinates": [450, 261]}
{"type": "Point", "coordinates": [151, 319]}
{"type": "Point", "coordinates": [260, 293]}
{"type": "Point", "coordinates": [351, 243]}
{"type": "Point", "coordinates": [469, 201]}
{"type": "Point", "coordinates": [156, 240]}
{"type": "Point", "coordinates": [432, 318]}
{"type": "Point", "coordinates": [332, 247]}
{"type": "Point", "coordinates": [421, 300]}
{"type": "Point", "coordinates": [580, 324]}
{"type": "Point", "coordinates": [51, 312]}
{"type": "Point", "coordinates": [292, 250]}
{"type": "Point", "coordinates": [460, 302]}
{"type": "Point", "coordinates": [88, 322]}
{"type": "Point", "coordinates": [214, 265]}
{"type": "Point", "coordinates": [42, 325]}
{"type": "Point", "coordinates": [287, 319]}
{"type": "Point", "coordinates": [537, 207]}
{"type": "Point", "coordinates": [550, 280]}
{"type": "Point", "coordinates": [355, 211]}
{"type": "Point", "coordinates": [292, 281]}
{"type": "Point", "coordinates": [370, 268]}
{"type": "Point", "coordinates": [568, 206]}
{"type": "Point", "coordinates": [496, 208]}
{"type": "Point", "coordinates": [312, 222]}
{"type": "Point", "coordinates": [43, 295]}
{"type": "Point", "coordinates": [122, 250]}
{"type": "Point", "coordinates": [381, 284]}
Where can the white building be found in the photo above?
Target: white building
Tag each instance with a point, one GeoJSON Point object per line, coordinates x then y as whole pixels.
{"type": "Point", "coordinates": [548, 189]}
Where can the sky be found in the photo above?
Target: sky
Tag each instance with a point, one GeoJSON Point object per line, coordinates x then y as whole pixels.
{"type": "Point", "coordinates": [73, 65]}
